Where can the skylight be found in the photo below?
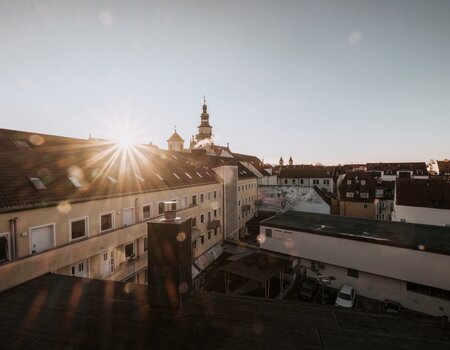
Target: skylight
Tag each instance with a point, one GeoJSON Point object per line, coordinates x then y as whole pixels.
{"type": "Point", "coordinates": [189, 176]}
{"type": "Point", "coordinates": [75, 181]}
{"type": "Point", "coordinates": [174, 174]}
{"type": "Point", "coordinates": [22, 143]}
{"type": "Point", "coordinates": [37, 183]}
{"type": "Point", "coordinates": [113, 180]}
{"type": "Point", "coordinates": [159, 176]}
{"type": "Point", "coordinates": [139, 177]}
{"type": "Point", "coordinates": [199, 174]}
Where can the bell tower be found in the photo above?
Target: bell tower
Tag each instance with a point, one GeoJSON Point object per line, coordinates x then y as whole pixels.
{"type": "Point", "coordinates": [204, 129]}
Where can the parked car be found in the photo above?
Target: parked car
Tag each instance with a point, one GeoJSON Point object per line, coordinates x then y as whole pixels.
{"type": "Point", "coordinates": [346, 297]}
{"type": "Point", "coordinates": [392, 306]}
{"type": "Point", "coordinates": [308, 289]}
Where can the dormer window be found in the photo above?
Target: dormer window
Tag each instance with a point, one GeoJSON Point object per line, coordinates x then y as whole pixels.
{"type": "Point", "coordinates": [349, 182]}
{"type": "Point", "coordinates": [159, 176]}
{"type": "Point", "coordinates": [113, 180]}
{"type": "Point", "coordinates": [37, 183]}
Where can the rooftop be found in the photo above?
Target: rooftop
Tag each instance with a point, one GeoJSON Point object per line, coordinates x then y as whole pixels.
{"type": "Point", "coordinates": [429, 238]}
{"type": "Point", "coordinates": [430, 193]}
{"type": "Point", "coordinates": [53, 312]}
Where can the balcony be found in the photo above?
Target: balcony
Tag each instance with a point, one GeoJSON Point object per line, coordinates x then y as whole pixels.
{"type": "Point", "coordinates": [128, 268]}
{"type": "Point", "coordinates": [246, 207]}
{"type": "Point", "coordinates": [213, 224]}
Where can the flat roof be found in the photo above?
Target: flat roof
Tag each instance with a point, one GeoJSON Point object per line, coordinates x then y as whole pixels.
{"type": "Point", "coordinates": [63, 312]}
{"type": "Point", "coordinates": [420, 237]}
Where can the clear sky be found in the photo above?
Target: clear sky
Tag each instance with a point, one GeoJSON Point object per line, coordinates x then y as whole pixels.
{"type": "Point", "coordinates": [324, 81]}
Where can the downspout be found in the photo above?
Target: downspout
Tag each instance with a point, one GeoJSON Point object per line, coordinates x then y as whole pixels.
{"type": "Point", "coordinates": [13, 230]}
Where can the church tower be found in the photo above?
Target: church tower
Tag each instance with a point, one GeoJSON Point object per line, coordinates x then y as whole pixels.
{"type": "Point", "coordinates": [204, 135]}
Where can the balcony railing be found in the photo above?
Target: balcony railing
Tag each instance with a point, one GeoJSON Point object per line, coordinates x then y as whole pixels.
{"type": "Point", "coordinates": [213, 224]}
{"type": "Point", "coordinates": [127, 268]}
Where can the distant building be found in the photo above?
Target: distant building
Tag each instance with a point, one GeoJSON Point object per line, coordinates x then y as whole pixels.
{"type": "Point", "coordinates": [357, 194]}
{"type": "Point", "coordinates": [384, 199]}
{"type": "Point", "coordinates": [307, 176]}
{"type": "Point", "coordinates": [175, 142]}
{"type": "Point", "coordinates": [423, 201]}
{"type": "Point", "coordinates": [443, 167]}
{"type": "Point", "coordinates": [392, 171]}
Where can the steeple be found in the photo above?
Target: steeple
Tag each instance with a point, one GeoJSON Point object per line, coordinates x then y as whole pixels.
{"type": "Point", "coordinates": [204, 137]}
{"type": "Point", "coordinates": [281, 161]}
{"type": "Point", "coordinates": [291, 162]}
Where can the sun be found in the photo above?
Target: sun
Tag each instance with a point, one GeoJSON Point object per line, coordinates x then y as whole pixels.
{"type": "Point", "coordinates": [126, 141]}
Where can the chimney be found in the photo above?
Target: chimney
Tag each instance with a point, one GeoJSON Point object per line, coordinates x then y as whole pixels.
{"type": "Point", "coordinates": [169, 259]}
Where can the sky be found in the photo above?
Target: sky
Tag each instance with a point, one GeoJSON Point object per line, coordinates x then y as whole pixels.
{"type": "Point", "coordinates": [336, 81]}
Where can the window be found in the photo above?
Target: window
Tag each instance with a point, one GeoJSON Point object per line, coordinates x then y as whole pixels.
{"type": "Point", "coordinates": [365, 206]}
{"type": "Point", "coordinates": [215, 194]}
{"type": "Point", "coordinates": [176, 175]}
{"type": "Point", "coordinates": [42, 238]}
{"type": "Point", "coordinates": [239, 203]}
{"type": "Point", "coordinates": [189, 176]}
{"type": "Point", "coordinates": [349, 194]}
{"type": "Point", "coordinates": [427, 290]}
{"type": "Point", "coordinates": [215, 213]}
{"type": "Point", "coordinates": [202, 218]}
{"type": "Point", "coordinates": [202, 197]}
{"type": "Point", "coordinates": [128, 216]}
{"type": "Point", "coordinates": [194, 244]}
{"type": "Point", "coordinates": [209, 196]}
{"type": "Point", "coordinates": [129, 250]}
{"type": "Point", "coordinates": [202, 239]}
{"type": "Point", "coordinates": [106, 222]}
{"type": "Point", "coordinates": [194, 221]}
{"type": "Point", "coordinates": [293, 181]}
{"type": "Point", "coordinates": [268, 232]}
{"type": "Point", "coordinates": [145, 244]}
{"type": "Point", "coordinates": [364, 195]}
{"type": "Point", "coordinates": [209, 235]}
{"type": "Point", "coordinates": [146, 211]}
{"type": "Point", "coordinates": [363, 182]}
{"type": "Point", "coordinates": [239, 188]}
{"type": "Point", "coordinates": [209, 216]}
{"type": "Point", "coordinates": [285, 182]}
{"type": "Point", "coordinates": [315, 182]}
{"type": "Point", "coordinates": [22, 143]}
{"type": "Point", "coordinates": [160, 208]}
{"type": "Point", "coordinates": [326, 182]}
{"type": "Point", "coordinates": [352, 273]}
{"type": "Point", "coordinates": [185, 201]}
{"type": "Point", "coordinates": [194, 199]}
{"type": "Point", "coordinates": [301, 181]}
{"type": "Point", "coordinates": [78, 228]}
{"type": "Point", "coordinates": [4, 247]}
{"type": "Point", "coordinates": [349, 182]}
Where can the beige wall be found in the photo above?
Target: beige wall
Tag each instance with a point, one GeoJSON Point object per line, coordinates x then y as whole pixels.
{"type": "Point", "coordinates": [244, 197]}
{"type": "Point", "coordinates": [357, 209]}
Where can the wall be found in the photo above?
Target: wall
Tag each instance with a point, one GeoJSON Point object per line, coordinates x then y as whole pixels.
{"type": "Point", "coordinates": [357, 209]}
{"type": "Point", "coordinates": [421, 215]}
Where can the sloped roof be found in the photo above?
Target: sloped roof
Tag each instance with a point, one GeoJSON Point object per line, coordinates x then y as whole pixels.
{"type": "Point", "coordinates": [101, 168]}
{"type": "Point", "coordinates": [444, 166]}
{"type": "Point", "coordinates": [356, 186]}
{"type": "Point", "coordinates": [418, 168]}
{"type": "Point", "coordinates": [306, 171]}
{"type": "Point", "coordinates": [175, 137]}
{"type": "Point", "coordinates": [431, 193]}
